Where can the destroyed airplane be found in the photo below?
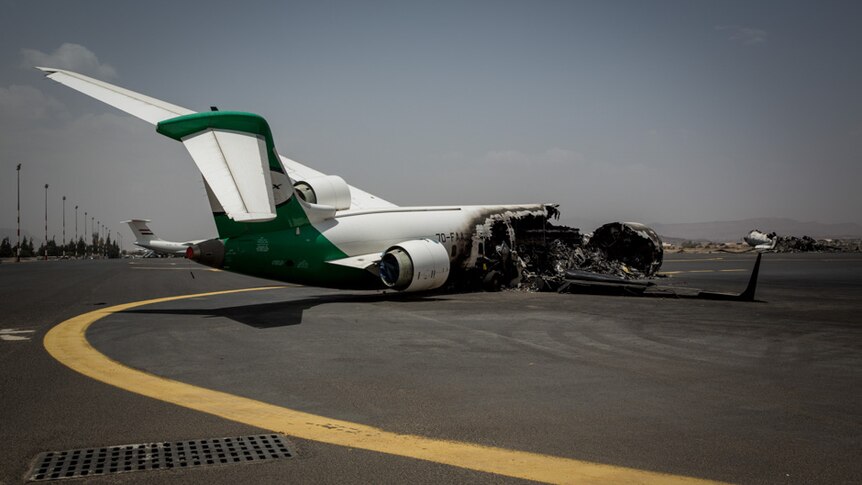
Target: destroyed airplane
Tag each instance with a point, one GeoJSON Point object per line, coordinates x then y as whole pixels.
{"type": "Point", "coordinates": [760, 240]}
{"type": "Point", "coordinates": [792, 244]}
{"type": "Point", "coordinates": [282, 220]}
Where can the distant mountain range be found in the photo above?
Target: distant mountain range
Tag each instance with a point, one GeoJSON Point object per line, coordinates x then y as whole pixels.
{"type": "Point", "coordinates": [729, 231]}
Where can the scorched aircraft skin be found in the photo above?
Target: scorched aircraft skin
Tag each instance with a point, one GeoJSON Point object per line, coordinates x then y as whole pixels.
{"type": "Point", "coordinates": [281, 220]}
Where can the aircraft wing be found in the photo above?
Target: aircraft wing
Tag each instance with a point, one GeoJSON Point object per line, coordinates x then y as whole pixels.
{"type": "Point", "coordinates": [359, 199]}
{"type": "Point", "coordinates": [153, 111]}
{"type": "Point", "coordinates": [144, 107]}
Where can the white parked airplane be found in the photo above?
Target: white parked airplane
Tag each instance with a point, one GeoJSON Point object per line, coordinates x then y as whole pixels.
{"type": "Point", "coordinates": [145, 238]}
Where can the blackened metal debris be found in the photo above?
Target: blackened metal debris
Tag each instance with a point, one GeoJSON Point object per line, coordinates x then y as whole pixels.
{"type": "Point", "coordinates": [524, 249]}
{"type": "Point", "coordinates": [527, 251]}
{"type": "Point", "coordinates": [615, 258]}
{"type": "Point", "coordinates": [637, 247]}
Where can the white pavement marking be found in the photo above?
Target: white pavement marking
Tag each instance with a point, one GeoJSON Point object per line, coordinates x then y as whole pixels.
{"type": "Point", "coordinates": [7, 334]}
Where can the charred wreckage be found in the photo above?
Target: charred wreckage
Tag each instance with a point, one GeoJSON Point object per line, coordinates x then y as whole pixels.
{"type": "Point", "coordinates": [525, 250]}
{"type": "Point", "coordinates": [776, 243]}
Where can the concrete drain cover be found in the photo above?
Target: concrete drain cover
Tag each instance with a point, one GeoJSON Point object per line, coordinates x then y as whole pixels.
{"type": "Point", "coordinates": [88, 462]}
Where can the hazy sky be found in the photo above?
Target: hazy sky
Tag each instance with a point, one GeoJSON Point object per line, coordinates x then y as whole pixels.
{"type": "Point", "coordinates": [683, 111]}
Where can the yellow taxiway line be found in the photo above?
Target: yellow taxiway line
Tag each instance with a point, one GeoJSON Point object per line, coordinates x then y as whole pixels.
{"type": "Point", "coordinates": [67, 342]}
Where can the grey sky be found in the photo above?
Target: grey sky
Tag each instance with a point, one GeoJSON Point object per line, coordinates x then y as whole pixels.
{"type": "Point", "coordinates": [654, 111]}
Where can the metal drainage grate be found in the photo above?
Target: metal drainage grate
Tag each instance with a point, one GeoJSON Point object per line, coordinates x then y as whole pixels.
{"type": "Point", "coordinates": [88, 462]}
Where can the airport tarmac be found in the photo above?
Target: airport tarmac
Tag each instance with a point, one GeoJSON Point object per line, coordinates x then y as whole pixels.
{"type": "Point", "coordinates": [654, 389]}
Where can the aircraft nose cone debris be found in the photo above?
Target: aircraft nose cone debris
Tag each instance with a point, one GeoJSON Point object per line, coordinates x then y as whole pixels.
{"type": "Point", "coordinates": [209, 253]}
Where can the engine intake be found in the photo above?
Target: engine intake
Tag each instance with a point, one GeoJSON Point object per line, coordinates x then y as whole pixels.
{"type": "Point", "coordinates": [329, 190]}
{"type": "Point", "coordinates": [417, 265]}
{"type": "Point", "coordinates": [631, 243]}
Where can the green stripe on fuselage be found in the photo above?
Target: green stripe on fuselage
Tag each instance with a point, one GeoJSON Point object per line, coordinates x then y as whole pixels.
{"type": "Point", "coordinates": [295, 256]}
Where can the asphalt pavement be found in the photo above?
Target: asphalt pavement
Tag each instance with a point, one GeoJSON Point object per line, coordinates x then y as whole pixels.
{"type": "Point", "coordinates": [763, 392]}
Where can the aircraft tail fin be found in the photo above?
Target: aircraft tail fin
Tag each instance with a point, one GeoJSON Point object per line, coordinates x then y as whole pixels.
{"type": "Point", "coordinates": [141, 231]}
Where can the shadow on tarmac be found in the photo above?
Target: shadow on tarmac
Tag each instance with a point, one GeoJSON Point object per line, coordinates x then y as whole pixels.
{"type": "Point", "coordinates": [283, 313]}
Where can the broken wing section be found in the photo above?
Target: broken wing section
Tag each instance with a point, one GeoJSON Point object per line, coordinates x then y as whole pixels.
{"type": "Point", "coordinates": [360, 200]}
{"type": "Point", "coordinates": [232, 151]}
{"type": "Point", "coordinates": [363, 261]}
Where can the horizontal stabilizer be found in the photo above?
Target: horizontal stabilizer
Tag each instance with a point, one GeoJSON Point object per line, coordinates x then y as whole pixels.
{"type": "Point", "coordinates": [232, 151]}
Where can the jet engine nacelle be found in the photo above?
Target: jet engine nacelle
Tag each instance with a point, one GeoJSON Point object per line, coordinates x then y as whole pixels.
{"type": "Point", "coordinates": [329, 190]}
{"type": "Point", "coordinates": [417, 265]}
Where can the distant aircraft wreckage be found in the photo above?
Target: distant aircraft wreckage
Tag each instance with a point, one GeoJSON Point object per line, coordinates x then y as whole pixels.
{"type": "Point", "coordinates": [773, 242]}
{"type": "Point", "coordinates": [281, 220]}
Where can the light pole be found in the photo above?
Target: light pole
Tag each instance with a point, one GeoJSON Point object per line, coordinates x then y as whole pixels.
{"type": "Point", "coordinates": [46, 222]}
{"type": "Point", "coordinates": [18, 251]}
{"type": "Point", "coordinates": [64, 225]}
{"type": "Point", "coordinates": [93, 230]}
{"type": "Point", "coordinates": [76, 231]}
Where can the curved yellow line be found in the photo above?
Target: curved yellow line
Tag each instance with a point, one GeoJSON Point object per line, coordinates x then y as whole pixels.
{"type": "Point", "coordinates": [68, 344]}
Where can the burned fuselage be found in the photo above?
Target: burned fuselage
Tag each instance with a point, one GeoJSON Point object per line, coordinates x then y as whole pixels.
{"type": "Point", "coordinates": [516, 248]}
{"type": "Point", "coordinates": [407, 249]}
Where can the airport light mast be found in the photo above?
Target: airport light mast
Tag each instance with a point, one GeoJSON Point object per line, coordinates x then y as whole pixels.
{"type": "Point", "coordinates": [46, 222]}
{"type": "Point", "coordinates": [64, 225]}
{"type": "Point", "coordinates": [76, 231]}
{"type": "Point", "coordinates": [18, 251]}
